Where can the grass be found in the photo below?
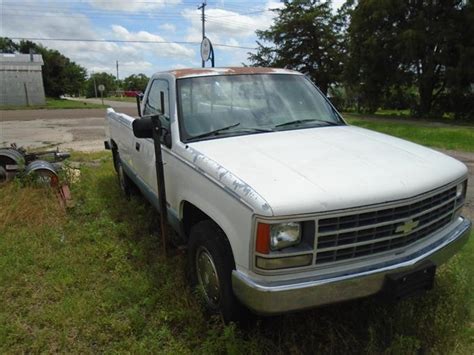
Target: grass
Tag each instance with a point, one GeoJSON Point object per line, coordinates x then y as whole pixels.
{"type": "Point", "coordinates": [93, 280]}
{"type": "Point", "coordinates": [122, 98]}
{"type": "Point", "coordinates": [52, 104]}
{"type": "Point", "coordinates": [425, 133]}
{"type": "Point", "coordinates": [405, 114]}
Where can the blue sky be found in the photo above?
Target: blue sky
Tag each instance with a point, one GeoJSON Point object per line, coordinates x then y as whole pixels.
{"type": "Point", "coordinates": [230, 22]}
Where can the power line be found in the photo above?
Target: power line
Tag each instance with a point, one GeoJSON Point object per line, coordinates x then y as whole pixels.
{"type": "Point", "coordinates": [124, 41]}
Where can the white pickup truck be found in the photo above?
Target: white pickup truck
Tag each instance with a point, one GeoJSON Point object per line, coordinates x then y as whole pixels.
{"type": "Point", "coordinates": [282, 205]}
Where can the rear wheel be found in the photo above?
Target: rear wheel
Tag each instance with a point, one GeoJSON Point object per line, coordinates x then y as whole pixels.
{"type": "Point", "coordinates": [211, 263]}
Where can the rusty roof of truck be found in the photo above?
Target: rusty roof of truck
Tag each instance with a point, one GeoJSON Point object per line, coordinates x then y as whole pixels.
{"type": "Point", "coordinates": [193, 72]}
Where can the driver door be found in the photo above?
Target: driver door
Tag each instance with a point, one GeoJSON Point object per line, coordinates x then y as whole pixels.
{"type": "Point", "coordinates": [143, 148]}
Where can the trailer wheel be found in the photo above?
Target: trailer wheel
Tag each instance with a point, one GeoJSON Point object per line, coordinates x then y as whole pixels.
{"type": "Point", "coordinates": [210, 263]}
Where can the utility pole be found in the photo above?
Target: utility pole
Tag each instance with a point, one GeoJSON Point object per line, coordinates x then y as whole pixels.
{"type": "Point", "coordinates": [203, 19]}
{"type": "Point", "coordinates": [117, 72]}
{"type": "Point", "coordinates": [95, 85]}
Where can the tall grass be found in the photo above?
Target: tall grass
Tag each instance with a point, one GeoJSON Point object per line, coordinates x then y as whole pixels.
{"type": "Point", "coordinates": [431, 135]}
{"type": "Point", "coordinates": [94, 280]}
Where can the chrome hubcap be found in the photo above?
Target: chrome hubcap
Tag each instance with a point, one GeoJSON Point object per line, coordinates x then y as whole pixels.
{"type": "Point", "coordinates": [207, 276]}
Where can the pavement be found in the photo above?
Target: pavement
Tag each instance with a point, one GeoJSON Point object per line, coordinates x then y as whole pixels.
{"type": "Point", "coordinates": [84, 130]}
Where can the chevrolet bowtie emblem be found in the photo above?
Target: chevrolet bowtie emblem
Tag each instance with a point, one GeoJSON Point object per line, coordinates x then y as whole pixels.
{"type": "Point", "coordinates": [407, 227]}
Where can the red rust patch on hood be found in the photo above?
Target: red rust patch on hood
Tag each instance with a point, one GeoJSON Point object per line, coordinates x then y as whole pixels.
{"type": "Point", "coordinates": [181, 73]}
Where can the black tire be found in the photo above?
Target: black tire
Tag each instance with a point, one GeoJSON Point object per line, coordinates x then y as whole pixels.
{"type": "Point", "coordinates": [206, 241]}
{"type": "Point", "coordinates": [116, 158]}
{"type": "Point", "coordinates": [124, 181]}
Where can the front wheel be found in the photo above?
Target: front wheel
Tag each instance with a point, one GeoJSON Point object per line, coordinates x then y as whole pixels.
{"type": "Point", "coordinates": [123, 179]}
{"type": "Point", "coordinates": [211, 263]}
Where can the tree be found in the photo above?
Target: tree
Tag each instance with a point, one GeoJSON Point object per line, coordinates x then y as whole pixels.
{"type": "Point", "coordinates": [7, 45]}
{"type": "Point", "coordinates": [304, 37]}
{"type": "Point", "coordinates": [136, 82]}
{"type": "Point", "coordinates": [458, 97]}
{"type": "Point", "coordinates": [106, 79]}
{"type": "Point", "coordinates": [396, 44]}
{"type": "Point", "coordinates": [372, 63]}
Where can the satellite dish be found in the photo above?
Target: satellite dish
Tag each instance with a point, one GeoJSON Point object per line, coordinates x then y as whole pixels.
{"type": "Point", "coordinates": [206, 48]}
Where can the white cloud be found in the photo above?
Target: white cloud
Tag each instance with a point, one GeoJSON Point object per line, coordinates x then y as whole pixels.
{"type": "Point", "coordinates": [131, 5]}
{"type": "Point", "coordinates": [336, 4]}
{"type": "Point", "coordinates": [169, 49]}
{"type": "Point", "coordinates": [95, 56]}
{"type": "Point", "coordinates": [221, 23]}
{"type": "Point", "coordinates": [168, 27]}
{"type": "Point", "coordinates": [179, 66]}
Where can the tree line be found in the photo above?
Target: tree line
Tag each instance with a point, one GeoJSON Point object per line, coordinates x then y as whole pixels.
{"type": "Point", "coordinates": [62, 76]}
{"type": "Point", "coordinates": [379, 54]}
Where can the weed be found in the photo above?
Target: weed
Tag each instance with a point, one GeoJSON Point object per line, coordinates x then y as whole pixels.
{"type": "Point", "coordinates": [94, 280]}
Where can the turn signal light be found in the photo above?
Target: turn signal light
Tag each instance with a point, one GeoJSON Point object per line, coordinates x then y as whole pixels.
{"type": "Point", "coordinates": [263, 238]}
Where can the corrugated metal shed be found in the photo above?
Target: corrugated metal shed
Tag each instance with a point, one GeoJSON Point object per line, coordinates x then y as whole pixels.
{"type": "Point", "coordinates": [21, 81]}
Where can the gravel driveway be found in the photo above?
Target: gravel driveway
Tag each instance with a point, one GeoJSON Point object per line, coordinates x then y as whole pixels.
{"type": "Point", "coordinates": [76, 129]}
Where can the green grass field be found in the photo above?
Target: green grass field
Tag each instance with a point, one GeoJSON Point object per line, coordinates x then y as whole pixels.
{"type": "Point", "coordinates": [429, 134]}
{"type": "Point", "coordinates": [52, 104]}
{"type": "Point", "coordinates": [93, 280]}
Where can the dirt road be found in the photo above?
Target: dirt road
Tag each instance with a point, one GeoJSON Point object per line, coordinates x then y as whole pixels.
{"type": "Point", "coordinates": [78, 129]}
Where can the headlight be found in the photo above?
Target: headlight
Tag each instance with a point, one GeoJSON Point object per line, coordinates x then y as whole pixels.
{"type": "Point", "coordinates": [271, 239]}
{"type": "Point", "coordinates": [461, 192]}
{"type": "Point", "coordinates": [284, 235]}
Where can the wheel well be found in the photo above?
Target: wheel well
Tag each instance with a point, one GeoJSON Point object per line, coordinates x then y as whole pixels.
{"type": "Point", "coordinates": [191, 216]}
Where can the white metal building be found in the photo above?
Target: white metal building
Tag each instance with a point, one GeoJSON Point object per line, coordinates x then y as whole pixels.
{"type": "Point", "coordinates": [21, 80]}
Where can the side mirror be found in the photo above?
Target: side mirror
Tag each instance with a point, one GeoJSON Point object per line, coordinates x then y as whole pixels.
{"type": "Point", "coordinates": [143, 127]}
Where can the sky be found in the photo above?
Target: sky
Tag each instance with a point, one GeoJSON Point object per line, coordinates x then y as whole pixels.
{"type": "Point", "coordinates": [228, 22]}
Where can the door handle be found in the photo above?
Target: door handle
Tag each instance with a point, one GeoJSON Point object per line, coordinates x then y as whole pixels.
{"type": "Point", "coordinates": [137, 146]}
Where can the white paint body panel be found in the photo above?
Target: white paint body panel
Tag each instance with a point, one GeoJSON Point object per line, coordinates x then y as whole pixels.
{"type": "Point", "coordinates": [280, 174]}
{"type": "Point", "coordinates": [330, 168]}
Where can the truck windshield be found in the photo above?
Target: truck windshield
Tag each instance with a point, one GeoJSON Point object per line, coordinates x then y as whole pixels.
{"type": "Point", "coordinates": [220, 106]}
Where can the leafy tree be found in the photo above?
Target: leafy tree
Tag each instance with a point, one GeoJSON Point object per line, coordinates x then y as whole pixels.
{"type": "Point", "coordinates": [61, 76]}
{"type": "Point", "coordinates": [7, 45]}
{"type": "Point", "coordinates": [136, 82]}
{"type": "Point", "coordinates": [304, 37]}
{"type": "Point", "coordinates": [96, 79]}
{"type": "Point", "coordinates": [394, 45]}
{"type": "Point", "coordinates": [371, 64]}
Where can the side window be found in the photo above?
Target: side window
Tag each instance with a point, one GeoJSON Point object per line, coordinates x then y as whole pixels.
{"type": "Point", "coordinates": [153, 106]}
{"type": "Point", "coordinates": [153, 102]}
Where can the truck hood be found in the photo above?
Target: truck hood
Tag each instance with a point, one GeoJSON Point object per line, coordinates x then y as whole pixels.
{"type": "Point", "coordinates": [324, 169]}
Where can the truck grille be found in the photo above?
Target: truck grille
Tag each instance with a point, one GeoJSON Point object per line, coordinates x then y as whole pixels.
{"type": "Point", "coordinates": [361, 234]}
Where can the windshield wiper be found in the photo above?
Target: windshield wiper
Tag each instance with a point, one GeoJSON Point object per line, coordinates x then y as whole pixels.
{"type": "Point", "coordinates": [214, 132]}
{"type": "Point", "coordinates": [255, 129]}
{"type": "Point", "coordinates": [328, 123]}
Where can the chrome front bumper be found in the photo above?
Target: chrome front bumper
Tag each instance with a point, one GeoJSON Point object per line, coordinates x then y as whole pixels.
{"type": "Point", "coordinates": [280, 297]}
